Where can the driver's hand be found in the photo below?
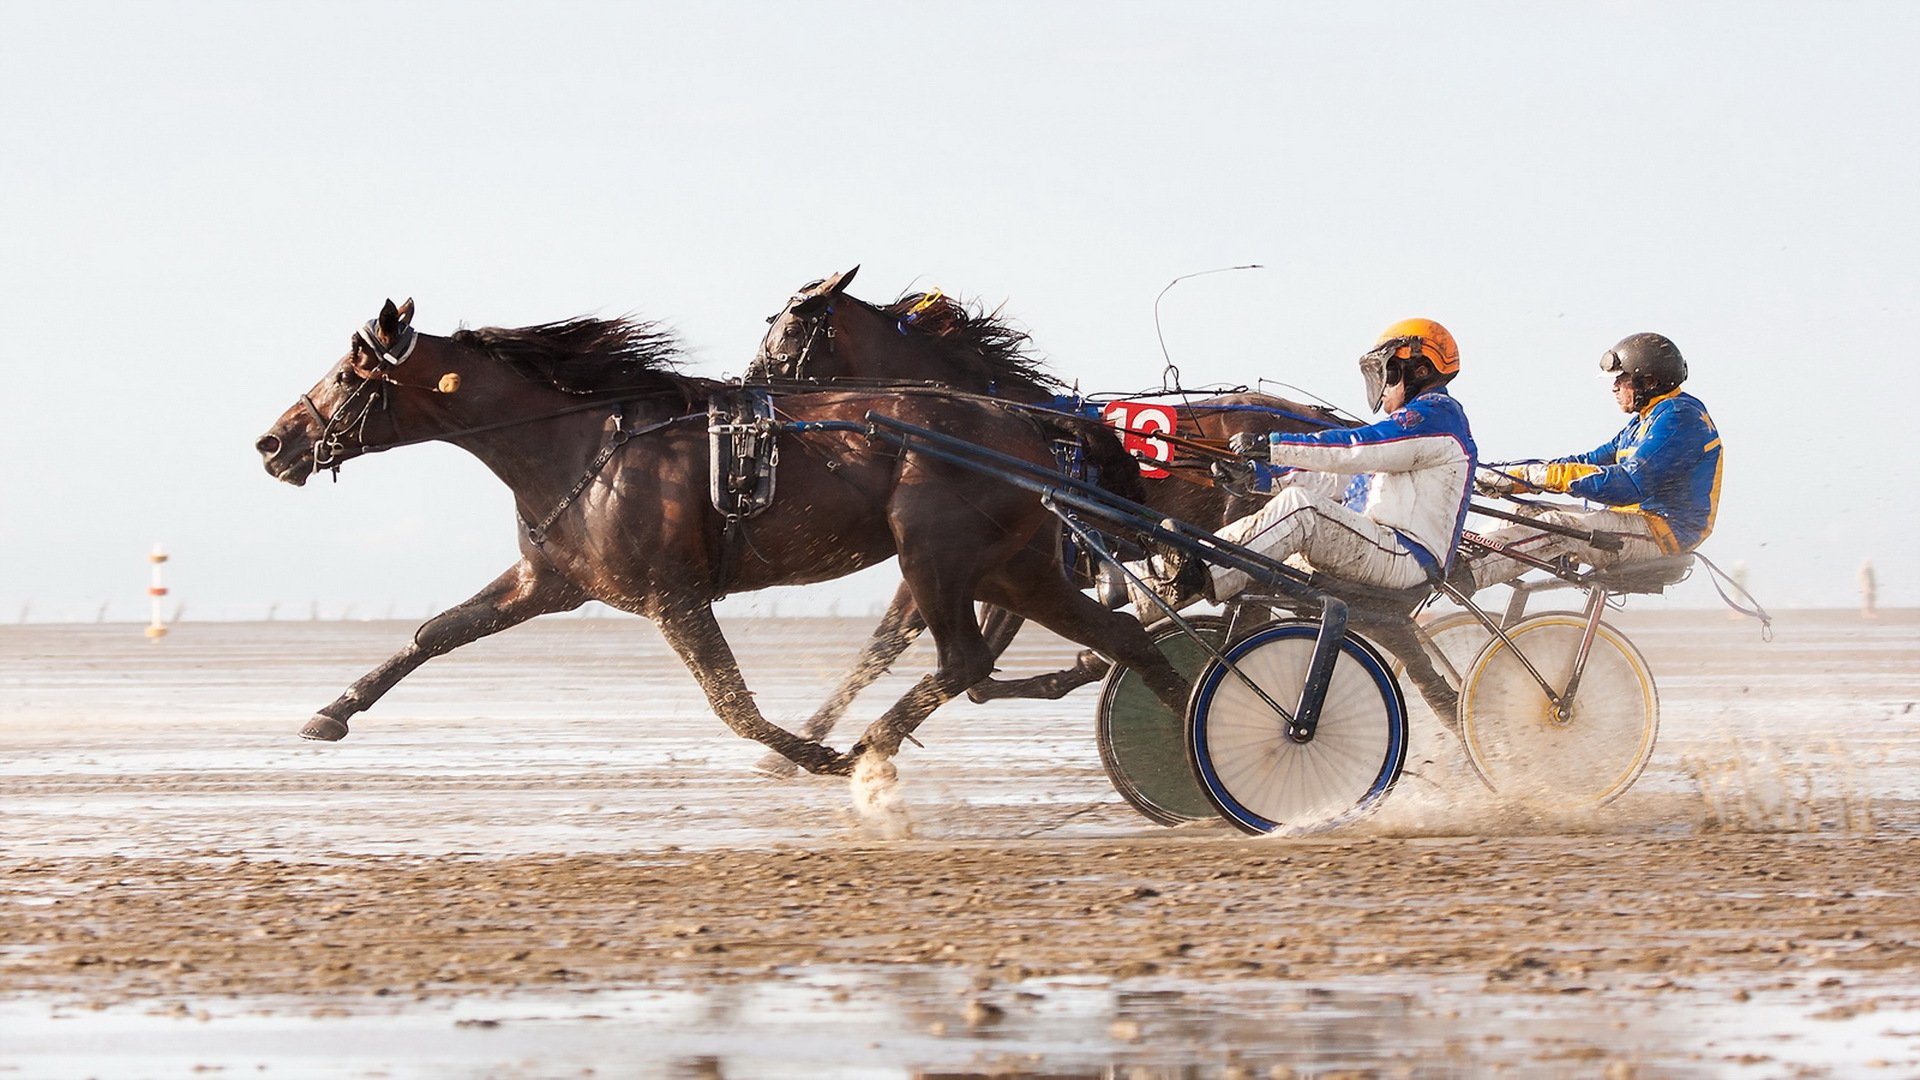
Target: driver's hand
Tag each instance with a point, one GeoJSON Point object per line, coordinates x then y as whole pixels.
{"type": "Point", "coordinates": [1234, 471]}
{"type": "Point", "coordinates": [1493, 482]}
{"type": "Point", "coordinates": [1250, 444]}
{"type": "Point", "coordinates": [1532, 477]}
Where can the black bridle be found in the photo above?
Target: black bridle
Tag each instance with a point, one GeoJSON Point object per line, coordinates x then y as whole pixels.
{"type": "Point", "coordinates": [353, 412]}
{"type": "Point", "coordinates": [328, 446]}
{"type": "Point", "coordinates": [818, 327]}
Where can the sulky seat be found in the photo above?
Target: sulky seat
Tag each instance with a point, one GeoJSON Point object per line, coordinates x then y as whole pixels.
{"type": "Point", "coordinates": [1375, 600]}
{"type": "Point", "coordinates": [1645, 576]}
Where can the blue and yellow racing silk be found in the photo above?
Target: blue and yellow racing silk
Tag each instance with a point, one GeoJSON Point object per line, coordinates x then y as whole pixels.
{"type": "Point", "coordinates": [1664, 464]}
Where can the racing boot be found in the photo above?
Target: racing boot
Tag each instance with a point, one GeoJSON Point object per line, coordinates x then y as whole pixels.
{"type": "Point", "coordinates": [1187, 585]}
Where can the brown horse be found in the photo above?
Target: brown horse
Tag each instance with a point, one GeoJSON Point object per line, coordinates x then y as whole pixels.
{"type": "Point", "coordinates": [826, 337]}
{"type": "Point", "coordinates": [603, 448]}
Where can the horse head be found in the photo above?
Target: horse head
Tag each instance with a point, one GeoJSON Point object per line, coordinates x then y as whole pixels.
{"type": "Point", "coordinates": [799, 337]}
{"type": "Point", "coordinates": [389, 388]}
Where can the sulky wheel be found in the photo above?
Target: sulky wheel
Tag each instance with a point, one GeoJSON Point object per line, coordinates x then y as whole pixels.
{"type": "Point", "coordinates": [1142, 742]}
{"type": "Point", "coordinates": [1528, 751]}
{"type": "Point", "coordinates": [1456, 638]}
{"type": "Point", "coordinates": [1259, 778]}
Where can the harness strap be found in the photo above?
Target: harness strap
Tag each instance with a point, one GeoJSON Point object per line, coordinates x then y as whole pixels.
{"type": "Point", "coordinates": [537, 532]}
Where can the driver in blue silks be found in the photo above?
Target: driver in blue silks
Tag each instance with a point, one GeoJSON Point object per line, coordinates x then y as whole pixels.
{"type": "Point", "coordinates": [1660, 474]}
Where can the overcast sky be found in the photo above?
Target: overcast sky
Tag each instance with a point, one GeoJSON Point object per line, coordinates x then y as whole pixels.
{"type": "Point", "coordinates": [202, 201]}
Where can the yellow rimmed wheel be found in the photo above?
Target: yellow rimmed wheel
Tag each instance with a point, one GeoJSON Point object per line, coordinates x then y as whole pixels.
{"type": "Point", "coordinates": [1577, 754]}
{"type": "Point", "coordinates": [1452, 641]}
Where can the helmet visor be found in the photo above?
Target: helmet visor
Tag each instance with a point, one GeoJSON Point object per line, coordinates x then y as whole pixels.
{"type": "Point", "coordinates": [1381, 369]}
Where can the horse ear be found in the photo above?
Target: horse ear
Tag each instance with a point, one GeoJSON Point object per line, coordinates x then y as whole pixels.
{"type": "Point", "coordinates": [838, 283]}
{"type": "Point", "coordinates": [406, 312]}
{"type": "Point", "coordinates": [389, 321]}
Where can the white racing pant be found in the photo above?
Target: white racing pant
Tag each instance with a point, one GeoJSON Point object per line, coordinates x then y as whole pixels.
{"type": "Point", "coordinates": [1636, 536]}
{"type": "Point", "coordinates": [1333, 539]}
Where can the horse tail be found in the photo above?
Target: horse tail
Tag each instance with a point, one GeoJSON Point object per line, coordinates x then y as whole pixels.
{"type": "Point", "coordinates": [1108, 462]}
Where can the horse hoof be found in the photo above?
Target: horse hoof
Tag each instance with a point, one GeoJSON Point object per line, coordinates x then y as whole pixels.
{"type": "Point", "coordinates": [324, 728]}
{"type": "Point", "coordinates": [776, 766]}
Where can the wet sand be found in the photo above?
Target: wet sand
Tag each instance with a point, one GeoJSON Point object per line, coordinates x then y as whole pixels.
{"type": "Point", "coordinates": [542, 855]}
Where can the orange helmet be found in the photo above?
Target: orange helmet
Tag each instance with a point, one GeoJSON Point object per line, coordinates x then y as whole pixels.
{"type": "Point", "coordinates": [1405, 344]}
{"type": "Point", "coordinates": [1424, 339]}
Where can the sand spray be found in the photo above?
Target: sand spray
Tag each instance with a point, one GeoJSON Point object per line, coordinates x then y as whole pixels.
{"type": "Point", "coordinates": [877, 799]}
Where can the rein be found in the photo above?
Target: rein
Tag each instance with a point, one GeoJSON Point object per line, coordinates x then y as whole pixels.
{"type": "Point", "coordinates": [329, 430]}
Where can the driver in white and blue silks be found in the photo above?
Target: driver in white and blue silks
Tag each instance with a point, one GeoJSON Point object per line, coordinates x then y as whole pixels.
{"type": "Point", "coordinates": [1417, 466]}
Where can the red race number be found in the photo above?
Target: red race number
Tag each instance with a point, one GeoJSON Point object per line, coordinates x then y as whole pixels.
{"type": "Point", "coordinates": [1136, 419]}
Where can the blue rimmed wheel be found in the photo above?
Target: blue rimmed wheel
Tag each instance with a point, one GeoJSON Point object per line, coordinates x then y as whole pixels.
{"type": "Point", "coordinates": [1260, 778]}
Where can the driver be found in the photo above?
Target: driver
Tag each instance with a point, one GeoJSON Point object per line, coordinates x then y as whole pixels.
{"type": "Point", "coordinates": [1661, 473]}
{"type": "Point", "coordinates": [1402, 515]}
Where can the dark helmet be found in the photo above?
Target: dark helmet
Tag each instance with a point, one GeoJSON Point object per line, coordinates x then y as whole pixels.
{"type": "Point", "coordinates": [1653, 361]}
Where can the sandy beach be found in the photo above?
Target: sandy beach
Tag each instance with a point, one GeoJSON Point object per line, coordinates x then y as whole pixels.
{"type": "Point", "coordinates": [542, 855]}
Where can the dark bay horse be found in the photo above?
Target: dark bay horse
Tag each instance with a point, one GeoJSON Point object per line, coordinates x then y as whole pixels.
{"type": "Point", "coordinates": [603, 447]}
{"type": "Point", "coordinates": [826, 337]}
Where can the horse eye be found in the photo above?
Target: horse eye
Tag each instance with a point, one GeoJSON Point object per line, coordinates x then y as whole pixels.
{"type": "Point", "coordinates": [343, 378]}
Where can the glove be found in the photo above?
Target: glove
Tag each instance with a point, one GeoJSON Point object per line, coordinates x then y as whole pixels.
{"type": "Point", "coordinates": [1234, 472]}
{"type": "Point", "coordinates": [1508, 479]}
{"type": "Point", "coordinates": [1493, 482]}
{"type": "Point", "coordinates": [1250, 443]}
{"type": "Point", "coordinates": [1533, 477]}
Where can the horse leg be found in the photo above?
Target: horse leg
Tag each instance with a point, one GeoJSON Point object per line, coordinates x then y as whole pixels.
{"type": "Point", "coordinates": [1088, 667]}
{"type": "Point", "coordinates": [524, 591]}
{"type": "Point", "coordinates": [695, 634]}
{"type": "Point", "coordinates": [1032, 585]}
{"type": "Point", "coordinates": [944, 595]}
{"type": "Point", "coordinates": [899, 628]}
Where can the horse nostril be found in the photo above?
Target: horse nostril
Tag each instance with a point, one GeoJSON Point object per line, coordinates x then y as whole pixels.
{"type": "Point", "coordinates": [268, 444]}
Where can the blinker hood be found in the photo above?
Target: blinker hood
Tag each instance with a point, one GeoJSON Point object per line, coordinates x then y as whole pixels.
{"type": "Point", "coordinates": [397, 353]}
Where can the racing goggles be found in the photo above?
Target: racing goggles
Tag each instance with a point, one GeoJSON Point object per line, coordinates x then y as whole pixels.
{"type": "Point", "coordinates": [1383, 368]}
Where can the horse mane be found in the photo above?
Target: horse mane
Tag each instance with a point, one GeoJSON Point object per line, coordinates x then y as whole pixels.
{"type": "Point", "coordinates": [586, 355]}
{"type": "Point", "coordinates": [983, 342]}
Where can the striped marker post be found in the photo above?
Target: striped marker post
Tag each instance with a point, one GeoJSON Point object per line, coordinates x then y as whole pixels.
{"type": "Point", "coordinates": [157, 591]}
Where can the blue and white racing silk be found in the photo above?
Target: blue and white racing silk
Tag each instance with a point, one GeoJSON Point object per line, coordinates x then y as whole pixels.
{"type": "Point", "coordinates": [1419, 461]}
